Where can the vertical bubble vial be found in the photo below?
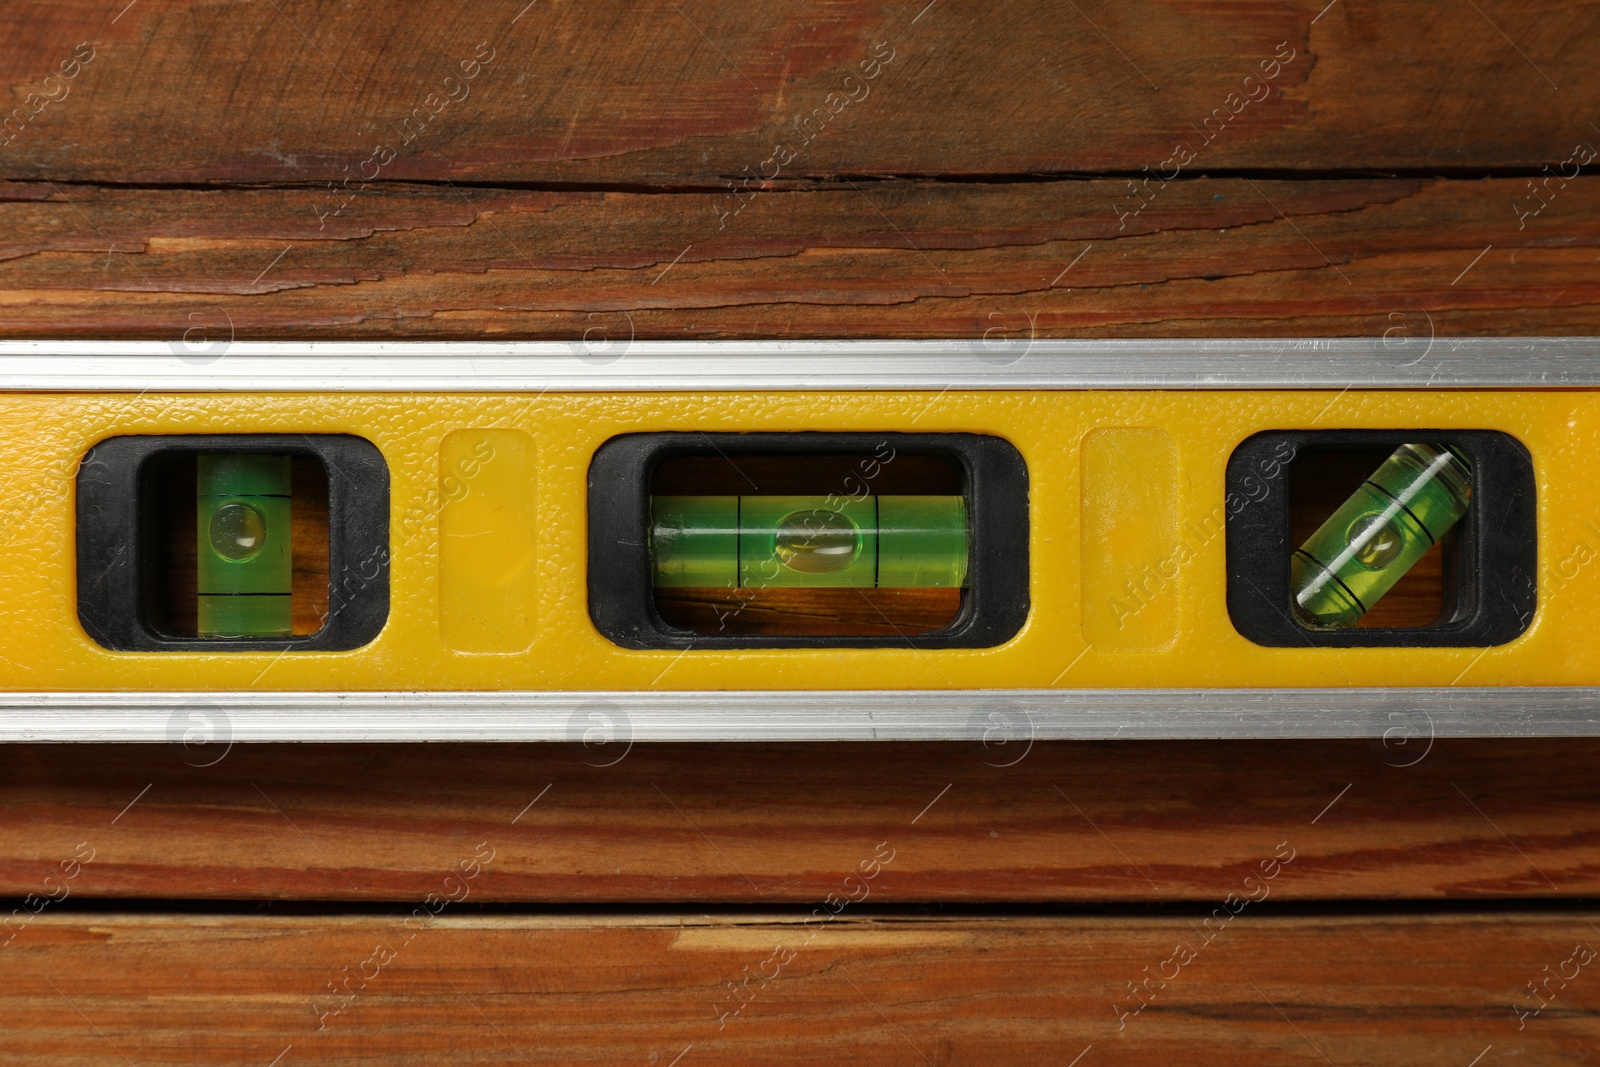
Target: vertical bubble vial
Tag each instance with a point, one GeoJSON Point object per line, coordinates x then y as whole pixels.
{"type": "Point", "coordinates": [243, 563]}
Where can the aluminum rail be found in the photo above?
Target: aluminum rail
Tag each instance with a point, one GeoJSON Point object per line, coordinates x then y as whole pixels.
{"type": "Point", "coordinates": [601, 364]}
{"type": "Point", "coordinates": [1004, 722]}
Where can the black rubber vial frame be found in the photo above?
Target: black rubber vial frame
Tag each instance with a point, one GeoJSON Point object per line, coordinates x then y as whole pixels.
{"type": "Point", "coordinates": [994, 604]}
{"type": "Point", "coordinates": [115, 521]}
{"type": "Point", "coordinates": [1492, 575]}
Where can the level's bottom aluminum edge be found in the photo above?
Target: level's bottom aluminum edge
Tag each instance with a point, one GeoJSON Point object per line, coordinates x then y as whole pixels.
{"type": "Point", "coordinates": [992, 717]}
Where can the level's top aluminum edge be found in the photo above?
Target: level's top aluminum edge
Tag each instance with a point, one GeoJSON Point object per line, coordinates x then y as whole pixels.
{"type": "Point", "coordinates": [604, 363]}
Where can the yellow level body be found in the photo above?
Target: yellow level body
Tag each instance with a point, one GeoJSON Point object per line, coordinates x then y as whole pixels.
{"type": "Point", "coordinates": [488, 584]}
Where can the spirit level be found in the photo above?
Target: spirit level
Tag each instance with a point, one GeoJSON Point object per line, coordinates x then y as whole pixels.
{"type": "Point", "coordinates": [751, 540]}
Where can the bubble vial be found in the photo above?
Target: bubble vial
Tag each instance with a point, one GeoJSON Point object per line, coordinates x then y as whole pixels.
{"type": "Point", "coordinates": [243, 560]}
{"type": "Point", "coordinates": [1408, 504]}
{"type": "Point", "coordinates": [898, 541]}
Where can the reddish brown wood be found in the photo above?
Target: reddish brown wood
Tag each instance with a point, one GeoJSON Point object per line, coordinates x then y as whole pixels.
{"type": "Point", "coordinates": [783, 824]}
{"type": "Point", "coordinates": [662, 989]}
{"type": "Point", "coordinates": [1210, 257]}
{"type": "Point", "coordinates": [832, 612]}
{"type": "Point", "coordinates": [707, 91]}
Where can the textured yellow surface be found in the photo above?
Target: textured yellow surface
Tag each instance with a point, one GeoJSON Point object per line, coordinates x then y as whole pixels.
{"type": "Point", "coordinates": [42, 646]}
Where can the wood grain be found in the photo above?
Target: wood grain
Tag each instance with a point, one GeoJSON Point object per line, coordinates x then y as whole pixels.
{"type": "Point", "coordinates": [1374, 257]}
{"type": "Point", "coordinates": [662, 989]}
{"type": "Point", "coordinates": [709, 91]}
{"type": "Point", "coordinates": [785, 823]}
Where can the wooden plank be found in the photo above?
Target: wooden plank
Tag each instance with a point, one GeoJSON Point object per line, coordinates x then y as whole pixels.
{"type": "Point", "coordinates": [786, 823]}
{"type": "Point", "coordinates": [690, 990]}
{"type": "Point", "coordinates": [1375, 257]}
{"type": "Point", "coordinates": [709, 91]}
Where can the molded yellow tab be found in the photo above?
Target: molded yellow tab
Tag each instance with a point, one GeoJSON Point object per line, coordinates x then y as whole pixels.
{"type": "Point", "coordinates": [1130, 522]}
{"type": "Point", "coordinates": [486, 542]}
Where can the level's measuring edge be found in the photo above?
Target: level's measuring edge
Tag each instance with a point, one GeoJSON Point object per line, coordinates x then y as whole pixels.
{"type": "Point", "coordinates": [1399, 361]}
{"type": "Point", "coordinates": [995, 719]}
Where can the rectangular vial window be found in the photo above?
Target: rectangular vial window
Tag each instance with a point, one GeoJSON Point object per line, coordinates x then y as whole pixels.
{"type": "Point", "coordinates": [784, 540]}
{"type": "Point", "coordinates": [245, 542]}
{"type": "Point", "coordinates": [1381, 538]}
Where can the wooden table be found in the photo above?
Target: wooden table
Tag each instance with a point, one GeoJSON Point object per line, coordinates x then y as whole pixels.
{"type": "Point", "coordinates": [200, 170]}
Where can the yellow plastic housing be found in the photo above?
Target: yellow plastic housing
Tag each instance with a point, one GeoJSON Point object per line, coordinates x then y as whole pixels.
{"type": "Point", "coordinates": [489, 591]}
